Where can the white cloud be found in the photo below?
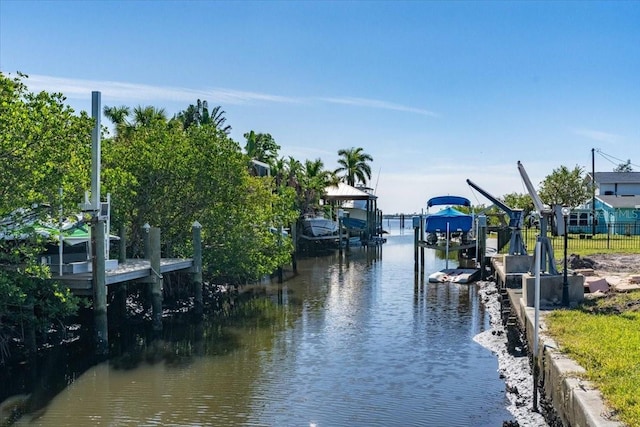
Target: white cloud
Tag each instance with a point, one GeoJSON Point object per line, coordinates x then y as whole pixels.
{"type": "Point", "coordinates": [408, 192]}
{"type": "Point", "coordinates": [374, 103]}
{"type": "Point", "coordinates": [132, 92]}
{"type": "Point", "coordinates": [596, 135]}
{"type": "Point", "coordinates": [139, 93]}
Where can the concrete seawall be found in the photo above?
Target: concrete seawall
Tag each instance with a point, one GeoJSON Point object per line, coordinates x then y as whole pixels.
{"type": "Point", "coordinates": [576, 401]}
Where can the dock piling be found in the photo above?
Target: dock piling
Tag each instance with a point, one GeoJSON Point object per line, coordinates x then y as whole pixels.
{"type": "Point", "coordinates": [156, 278]}
{"type": "Point", "coordinates": [99, 288]}
{"type": "Point", "coordinates": [122, 246]}
{"type": "Point", "coordinates": [416, 239]}
{"type": "Point", "coordinates": [196, 272]}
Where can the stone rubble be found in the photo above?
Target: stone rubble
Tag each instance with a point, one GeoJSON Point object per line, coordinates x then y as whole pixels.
{"type": "Point", "coordinates": [515, 370]}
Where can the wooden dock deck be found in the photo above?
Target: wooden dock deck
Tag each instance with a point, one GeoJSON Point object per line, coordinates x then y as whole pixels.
{"type": "Point", "coordinates": [130, 270]}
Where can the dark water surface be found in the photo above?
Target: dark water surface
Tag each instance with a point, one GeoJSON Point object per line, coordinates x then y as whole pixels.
{"type": "Point", "coordinates": [355, 343]}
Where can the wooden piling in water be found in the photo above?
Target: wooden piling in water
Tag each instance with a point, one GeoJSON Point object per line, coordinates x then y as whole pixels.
{"type": "Point", "coordinates": [416, 231]}
{"type": "Point", "coordinates": [340, 235]}
{"type": "Point", "coordinates": [421, 238]}
{"type": "Point", "coordinates": [155, 278]}
{"type": "Point", "coordinates": [196, 270]}
{"type": "Point", "coordinates": [294, 254]}
{"type": "Point", "coordinates": [99, 288]}
{"type": "Point", "coordinates": [481, 245]}
{"type": "Point", "coordinates": [122, 245]}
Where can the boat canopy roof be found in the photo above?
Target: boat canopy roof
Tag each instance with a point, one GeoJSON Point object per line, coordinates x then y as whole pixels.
{"type": "Point", "coordinates": [343, 191]}
{"type": "Point", "coordinates": [456, 220]}
{"type": "Point", "coordinates": [448, 200]}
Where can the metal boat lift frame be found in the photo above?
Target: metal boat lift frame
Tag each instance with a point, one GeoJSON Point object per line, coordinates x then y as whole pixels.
{"type": "Point", "coordinates": [547, 259]}
{"type": "Point", "coordinates": [516, 220]}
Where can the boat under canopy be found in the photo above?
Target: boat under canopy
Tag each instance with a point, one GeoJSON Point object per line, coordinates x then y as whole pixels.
{"type": "Point", "coordinates": [448, 220]}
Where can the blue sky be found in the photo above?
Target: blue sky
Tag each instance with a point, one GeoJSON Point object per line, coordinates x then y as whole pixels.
{"type": "Point", "coordinates": [436, 92]}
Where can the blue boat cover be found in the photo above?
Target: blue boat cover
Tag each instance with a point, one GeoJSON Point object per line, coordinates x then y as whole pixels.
{"type": "Point", "coordinates": [448, 200]}
{"type": "Point", "coordinates": [457, 220]}
{"type": "Point", "coordinates": [354, 223]}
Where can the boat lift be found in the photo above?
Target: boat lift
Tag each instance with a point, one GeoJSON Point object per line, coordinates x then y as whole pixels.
{"type": "Point", "coordinates": [516, 220]}
{"type": "Point", "coordinates": [547, 260]}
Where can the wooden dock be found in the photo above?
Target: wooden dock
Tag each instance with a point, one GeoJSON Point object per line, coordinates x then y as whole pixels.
{"type": "Point", "coordinates": [130, 271]}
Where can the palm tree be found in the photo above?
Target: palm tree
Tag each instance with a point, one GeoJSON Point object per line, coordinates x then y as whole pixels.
{"type": "Point", "coordinates": [144, 116]}
{"type": "Point", "coordinates": [354, 166]}
{"type": "Point", "coordinates": [218, 119]}
{"type": "Point", "coordinates": [314, 181]}
{"type": "Point", "coordinates": [189, 116]}
{"type": "Point", "coordinates": [118, 116]}
{"type": "Point", "coordinates": [199, 115]}
{"type": "Point", "coordinates": [261, 147]}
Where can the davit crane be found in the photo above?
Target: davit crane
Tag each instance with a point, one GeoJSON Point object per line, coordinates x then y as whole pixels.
{"type": "Point", "coordinates": [547, 260]}
{"type": "Point", "coordinates": [516, 220]}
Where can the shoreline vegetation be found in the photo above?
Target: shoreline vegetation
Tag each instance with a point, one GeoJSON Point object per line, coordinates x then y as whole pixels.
{"type": "Point", "coordinates": [168, 172]}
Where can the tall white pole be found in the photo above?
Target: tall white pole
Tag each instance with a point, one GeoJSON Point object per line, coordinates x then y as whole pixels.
{"type": "Point", "coordinates": [60, 238]}
{"type": "Point", "coordinates": [95, 151]}
{"type": "Point", "coordinates": [536, 326]}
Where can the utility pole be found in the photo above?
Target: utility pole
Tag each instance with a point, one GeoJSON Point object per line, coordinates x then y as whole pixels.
{"type": "Point", "coordinates": [593, 192]}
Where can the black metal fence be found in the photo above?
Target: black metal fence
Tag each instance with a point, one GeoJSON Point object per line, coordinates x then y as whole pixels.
{"type": "Point", "coordinates": [620, 236]}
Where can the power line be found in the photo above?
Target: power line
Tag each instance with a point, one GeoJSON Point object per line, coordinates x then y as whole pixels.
{"type": "Point", "coordinates": [608, 157]}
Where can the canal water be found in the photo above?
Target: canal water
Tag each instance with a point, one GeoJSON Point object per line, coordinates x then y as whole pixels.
{"type": "Point", "coordinates": [352, 340]}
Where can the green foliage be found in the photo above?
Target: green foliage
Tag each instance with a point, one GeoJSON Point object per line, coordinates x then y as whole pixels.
{"type": "Point", "coordinates": [261, 146]}
{"type": "Point", "coordinates": [28, 298]}
{"type": "Point", "coordinates": [44, 146]}
{"type": "Point", "coordinates": [606, 342]}
{"type": "Point", "coordinates": [354, 165]}
{"type": "Point", "coordinates": [519, 201]}
{"type": "Point", "coordinates": [624, 167]}
{"type": "Point", "coordinates": [147, 170]}
{"type": "Point", "coordinates": [168, 177]}
{"type": "Point", "coordinates": [313, 180]}
{"type": "Point", "coordinates": [198, 114]}
{"type": "Point", "coordinates": [565, 187]}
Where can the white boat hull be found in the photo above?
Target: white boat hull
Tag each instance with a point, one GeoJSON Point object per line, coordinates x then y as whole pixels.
{"type": "Point", "coordinates": [455, 275]}
{"type": "Point", "coordinates": [319, 227]}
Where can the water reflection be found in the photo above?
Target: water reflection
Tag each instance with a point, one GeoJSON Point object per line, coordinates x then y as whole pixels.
{"type": "Point", "coordinates": [353, 340]}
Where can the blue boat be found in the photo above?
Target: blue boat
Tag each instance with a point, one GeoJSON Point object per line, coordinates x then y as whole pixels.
{"type": "Point", "coordinates": [448, 220]}
{"type": "Point", "coordinates": [450, 224]}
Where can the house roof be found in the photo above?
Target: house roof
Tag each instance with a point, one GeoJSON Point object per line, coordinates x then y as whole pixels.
{"type": "Point", "coordinates": [620, 202]}
{"type": "Point", "coordinates": [346, 192]}
{"type": "Point", "coordinates": [617, 177]}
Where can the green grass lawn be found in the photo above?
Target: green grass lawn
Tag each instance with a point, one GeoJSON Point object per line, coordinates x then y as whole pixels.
{"type": "Point", "coordinates": [603, 336]}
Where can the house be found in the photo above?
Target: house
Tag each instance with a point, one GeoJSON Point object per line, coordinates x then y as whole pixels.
{"type": "Point", "coordinates": [617, 205]}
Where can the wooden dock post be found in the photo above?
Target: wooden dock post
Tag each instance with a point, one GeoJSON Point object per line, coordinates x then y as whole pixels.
{"type": "Point", "coordinates": [340, 235]}
{"type": "Point", "coordinates": [122, 246]}
{"type": "Point", "coordinates": [156, 278]}
{"type": "Point", "coordinates": [481, 245]}
{"type": "Point", "coordinates": [196, 272]}
{"type": "Point", "coordinates": [294, 254]}
{"type": "Point", "coordinates": [421, 238]}
{"type": "Point", "coordinates": [99, 286]}
{"type": "Point", "coordinates": [416, 231]}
